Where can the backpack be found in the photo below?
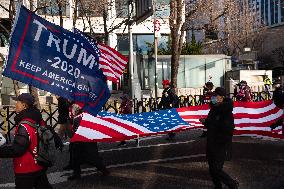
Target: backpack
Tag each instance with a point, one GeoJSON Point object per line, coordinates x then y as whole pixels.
{"type": "Point", "coordinates": [45, 144]}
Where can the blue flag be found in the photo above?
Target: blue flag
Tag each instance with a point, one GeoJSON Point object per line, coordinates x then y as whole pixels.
{"type": "Point", "coordinates": [54, 59]}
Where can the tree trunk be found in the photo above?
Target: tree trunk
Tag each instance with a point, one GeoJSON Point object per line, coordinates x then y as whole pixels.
{"type": "Point", "coordinates": [75, 13]}
{"type": "Point", "coordinates": [16, 88]}
{"type": "Point", "coordinates": [34, 91]}
{"type": "Point", "coordinates": [106, 37]}
{"type": "Point", "coordinates": [59, 4]}
{"type": "Point", "coordinates": [176, 27]}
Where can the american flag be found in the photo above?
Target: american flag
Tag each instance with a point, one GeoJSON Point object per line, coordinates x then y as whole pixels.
{"type": "Point", "coordinates": [251, 119]}
{"type": "Point", "coordinates": [111, 62]}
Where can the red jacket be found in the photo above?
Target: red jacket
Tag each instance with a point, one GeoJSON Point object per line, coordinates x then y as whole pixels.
{"type": "Point", "coordinates": [26, 163]}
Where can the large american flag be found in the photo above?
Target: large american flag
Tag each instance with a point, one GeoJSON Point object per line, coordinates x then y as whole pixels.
{"type": "Point", "coordinates": [111, 62]}
{"type": "Point", "coordinates": [251, 119]}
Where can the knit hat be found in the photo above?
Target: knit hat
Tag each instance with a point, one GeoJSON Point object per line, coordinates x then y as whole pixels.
{"type": "Point", "coordinates": [166, 82]}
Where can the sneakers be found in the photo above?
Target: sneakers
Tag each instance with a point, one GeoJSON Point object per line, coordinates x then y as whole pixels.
{"type": "Point", "coordinates": [122, 143]}
{"type": "Point", "coordinates": [74, 177]}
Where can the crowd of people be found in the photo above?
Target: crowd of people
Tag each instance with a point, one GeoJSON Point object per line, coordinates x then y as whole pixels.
{"type": "Point", "coordinates": [24, 148]}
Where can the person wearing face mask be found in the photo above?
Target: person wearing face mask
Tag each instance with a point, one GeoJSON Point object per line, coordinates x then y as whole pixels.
{"type": "Point", "coordinates": [220, 127]}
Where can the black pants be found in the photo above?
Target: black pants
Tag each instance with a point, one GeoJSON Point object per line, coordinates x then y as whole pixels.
{"type": "Point", "coordinates": [85, 153]}
{"type": "Point", "coordinates": [30, 181]}
{"type": "Point", "coordinates": [219, 176]}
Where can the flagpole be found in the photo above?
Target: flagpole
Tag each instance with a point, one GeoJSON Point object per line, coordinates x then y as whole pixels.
{"type": "Point", "coordinates": [155, 52]}
{"type": "Point", "coordinates": [130, 57]}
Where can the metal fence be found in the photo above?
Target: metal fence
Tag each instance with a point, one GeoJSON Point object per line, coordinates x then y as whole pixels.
{"type": "Point", "coordinates": [50, 111]}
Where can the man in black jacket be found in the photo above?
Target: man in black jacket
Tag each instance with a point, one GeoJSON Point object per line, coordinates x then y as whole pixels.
{"type": "Point", "coordinates": [220, 127]}
{"type": "Point", "coordinates": [169, 100]}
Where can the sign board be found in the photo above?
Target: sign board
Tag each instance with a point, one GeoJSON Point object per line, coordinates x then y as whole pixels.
{"type": "Point", "coordinates": [144, 9]}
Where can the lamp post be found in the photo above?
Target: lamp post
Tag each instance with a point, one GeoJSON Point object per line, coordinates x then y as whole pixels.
{"type": "Point", "coordinates": [130, 57]}
{"type": "Point", "coordinates": [155, 49]}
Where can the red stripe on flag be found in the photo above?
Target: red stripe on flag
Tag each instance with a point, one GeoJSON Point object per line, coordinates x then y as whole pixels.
{"type": "Point", "coordinates": [256, 116]}
{"type": "Point", "coordinates": [101, 128]}
{"type": "Point", "coordinates": [125, 126]}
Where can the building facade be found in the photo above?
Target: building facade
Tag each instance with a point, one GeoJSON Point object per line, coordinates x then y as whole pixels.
{"type": "Point", "coordinates": [271, 12]}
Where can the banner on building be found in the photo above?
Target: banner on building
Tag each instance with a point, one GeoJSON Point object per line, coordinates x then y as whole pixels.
{"type": "Point", "coordinates": [54, 59]}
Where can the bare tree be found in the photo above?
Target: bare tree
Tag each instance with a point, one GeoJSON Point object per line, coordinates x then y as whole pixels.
{"type": "Point", "coordinates": [235, 24]}
{"type": "Point", "coordinates": [179, 24]}
{"type": "Point", "coordinates": [241, 27]}
{"type": "Point", "coordinates": [91, 12]}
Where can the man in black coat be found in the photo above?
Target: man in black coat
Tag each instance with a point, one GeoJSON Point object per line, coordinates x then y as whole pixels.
{"type": "Point", "coordinates": [220, 127]}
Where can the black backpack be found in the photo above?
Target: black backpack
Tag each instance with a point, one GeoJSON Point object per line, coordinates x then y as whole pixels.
{"type": "Point", "coordinates": [47, 142]}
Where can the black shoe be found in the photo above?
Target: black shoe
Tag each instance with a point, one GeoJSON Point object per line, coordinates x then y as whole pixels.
{"type": "Point", "coordinates": [74, 177]}
{"type": "Point", "coordinates": [68, 167]}
{"type": "Point", "coordinates": [122, 143]}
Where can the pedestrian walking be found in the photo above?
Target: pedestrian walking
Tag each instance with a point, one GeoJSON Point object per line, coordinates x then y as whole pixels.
{"type": "Point", "coordinates": [220, 126]}
{"type": "Point", "coordinates": [84, 152]}
{"type": "Point", "coordinates": [169, 100]}
{"type": "Point", "coordinates": [28, 173]}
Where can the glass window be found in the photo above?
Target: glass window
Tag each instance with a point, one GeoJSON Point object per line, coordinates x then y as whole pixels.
{"type": "Point", "coordinates": [51, 7]}
{"type": "Point", "coordinates": [142, 43]}
{"type": "Point", "coordinates": [123, 44]}
{"type": "Point", "coordinates": [121, 8]}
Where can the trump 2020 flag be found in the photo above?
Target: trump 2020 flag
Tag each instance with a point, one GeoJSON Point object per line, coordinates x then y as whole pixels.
{"type": "Point", "coordinates": [250, 118]}
{"type": "Point", "coordinates": [54, 59]}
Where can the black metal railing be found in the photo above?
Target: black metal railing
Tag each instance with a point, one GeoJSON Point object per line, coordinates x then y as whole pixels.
{"type": "Point", "coordinates": [50, 111]}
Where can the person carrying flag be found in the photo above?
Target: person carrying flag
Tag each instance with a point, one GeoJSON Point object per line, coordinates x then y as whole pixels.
{"type": "Point", "coordinates": [169, 100]}
{"type": "Point", "coordinates": [83, 151]}
{"type": "Point", "coordinates": [28, 173]}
